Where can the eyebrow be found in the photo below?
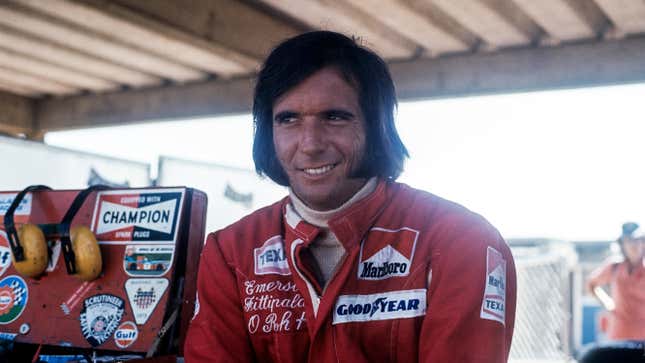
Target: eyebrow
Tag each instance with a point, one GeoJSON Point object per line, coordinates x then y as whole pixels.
{"type": "Point", "coordinates": [332, 111]}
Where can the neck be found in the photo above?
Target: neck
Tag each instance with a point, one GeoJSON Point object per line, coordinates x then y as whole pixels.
{"type": "Point", "coordinates": [320, 218]}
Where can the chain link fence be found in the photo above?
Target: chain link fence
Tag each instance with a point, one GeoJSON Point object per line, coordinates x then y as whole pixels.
{"type": "Point", "coordinates": [545, 300]}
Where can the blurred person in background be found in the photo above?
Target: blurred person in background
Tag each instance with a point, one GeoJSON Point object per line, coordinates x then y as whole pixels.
{"type": "Point", "coordinates": [624, 322]}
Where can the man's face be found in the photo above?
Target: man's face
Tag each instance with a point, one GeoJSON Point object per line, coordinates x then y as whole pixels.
{"type": "Point", "coordinates": [319, 139]}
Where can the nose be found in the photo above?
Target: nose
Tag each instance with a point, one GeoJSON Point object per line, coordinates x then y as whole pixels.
{"type": "Point", "coordinates": [312, 137]}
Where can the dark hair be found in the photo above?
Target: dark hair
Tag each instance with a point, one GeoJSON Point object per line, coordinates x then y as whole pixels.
{"type": "Point", "coordinates": [296, 59]}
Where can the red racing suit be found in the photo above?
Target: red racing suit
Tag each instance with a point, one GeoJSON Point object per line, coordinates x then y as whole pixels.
{"type": "Point", "coordinates": [423, 279]}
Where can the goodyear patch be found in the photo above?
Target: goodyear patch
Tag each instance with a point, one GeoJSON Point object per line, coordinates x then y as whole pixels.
{"type": "Point", "coordinates": [14, 295]}
{"type": "Point", "coordinates": [387, 253]}
{"type": "Point", "coordinates": [148, 215]}
{"type": "Point", "coordinates": [494, 301]}
{"type": "Point", "coordinates": [271, 258]}
{"type": "Point", "coordinates": [100, 316]}
{"type": "Point", "coordinates": [382, 306]}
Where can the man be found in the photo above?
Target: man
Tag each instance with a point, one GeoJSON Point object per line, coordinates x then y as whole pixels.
{"type": "Point", "coordinates": [352, 266]}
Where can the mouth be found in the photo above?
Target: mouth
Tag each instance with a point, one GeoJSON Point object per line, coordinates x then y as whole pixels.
{"type": "Point", "coordinates": [319, 170]}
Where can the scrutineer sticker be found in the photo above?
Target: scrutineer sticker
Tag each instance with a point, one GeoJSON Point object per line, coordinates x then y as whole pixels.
{"type": "Point", "coordinates": [148, 260]}
{"type": "Point", "coordinates": [14, 294]}
{"type": "Point", "coordinates": [144, 295]}
{"type": "Point", "coordinates": [133, 216]}
{"type": "Point", "coordinates": [126, 334]}
{"type": "Point", "coordinates": [5, 253]}
{"type": "Point", "coordinates": [100, 316]}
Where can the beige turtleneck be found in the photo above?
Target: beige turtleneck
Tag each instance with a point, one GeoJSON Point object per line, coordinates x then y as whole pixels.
{"type": "Point", "coordinates": [326, 248]}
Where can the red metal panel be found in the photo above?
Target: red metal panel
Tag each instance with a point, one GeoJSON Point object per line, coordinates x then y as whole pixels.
{"type": "Point", "coordinates": [111, 312]}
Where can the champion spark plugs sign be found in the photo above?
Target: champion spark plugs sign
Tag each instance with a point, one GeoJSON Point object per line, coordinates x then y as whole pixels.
{"type": "Point", "coordinates": [150, 215]}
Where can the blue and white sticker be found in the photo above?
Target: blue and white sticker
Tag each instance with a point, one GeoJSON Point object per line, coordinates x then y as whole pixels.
{"type": "Point", "coordinates": [383, 306]}
{"type": "Point", "coordinates": [7, 336]}
{"type": "Point", "coordinates": [24, 208]}
{"type": "Point", "coordinates": [271, 258]}
{"type": "Point", "coordinates": [494, 301]}
{"type": "Point", "coordinates": [14, 295]}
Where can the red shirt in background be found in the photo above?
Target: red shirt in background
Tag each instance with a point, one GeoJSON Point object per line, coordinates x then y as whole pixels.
{"type": "Point", "coordinates": [627, 321]}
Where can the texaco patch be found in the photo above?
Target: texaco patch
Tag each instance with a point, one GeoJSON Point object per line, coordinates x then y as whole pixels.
{"type": "Point", "coordinates": [100, 316]}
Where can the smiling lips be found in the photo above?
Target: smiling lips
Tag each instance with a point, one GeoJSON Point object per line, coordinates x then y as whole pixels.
{"type": "Point", "coordinates": [320, 170]}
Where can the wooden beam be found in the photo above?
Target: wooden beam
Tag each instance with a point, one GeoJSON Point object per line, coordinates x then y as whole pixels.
{"type": "Point", "coordinates": [53, 72]}
{"type": "Point", "coordinates": [519, 70]}
{"type": "Point", "coordinates": [413, 25]}
{"type": "Point", "coordinates": [231, 23]}
{"type": "Point", "coordinates": [627, 15]}
{"type": "Point", "coordinates": [164, 103]}
{"type": "Point", "coordinates": [21, 90]}
{"type": "Point", "coordinates": [16, 114]}
{"type": "Point", "coordinates": [489, 20]}
{"type": "Point", "coordinates": [29, 81]}
{"type": "Point", "coordinates": [347, 19]}
{"type": "Point", "coordinates": [98, 45]}
{"type": "Point", "coordinates": [512, 70]}
{"type": "Point", "coordinates": [129, 27]}
{"type": "Point", "coordinates": [565, 20]}
{"type": "Point", "coordinates": [81, 63]}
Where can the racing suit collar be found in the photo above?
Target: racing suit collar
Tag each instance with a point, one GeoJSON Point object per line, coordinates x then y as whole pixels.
{"type": "Point", "coordinates": [349, 225]}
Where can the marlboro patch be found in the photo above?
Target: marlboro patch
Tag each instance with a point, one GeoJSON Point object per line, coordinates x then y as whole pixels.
{"type": "Point", "coordinates": [387, 253]}
{"type": "Point", "coordinates": [494, 301]}
{"type": "Point", "coordinates": [150, 215]}
{"type": "Point", "coordinates": [144, 295]}
{"type": "Point", "coordinates": [100, 316]}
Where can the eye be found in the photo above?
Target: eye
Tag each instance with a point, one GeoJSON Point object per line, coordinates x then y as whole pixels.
{"type": "Point", "coordinates": [285, 118]}
{"type": "Point", "coordinates": [338, 115]}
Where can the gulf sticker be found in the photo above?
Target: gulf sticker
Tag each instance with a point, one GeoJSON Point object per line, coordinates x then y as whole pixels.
{"type": "Point", "coordinates": [5, 253]}
{"type": "Point", "coordinates": [144, 295]}
{"type": "Point", "coordinates": [126, 334]}
{"type": "Point", "coordinates": [148, 260]}
{"type": "Point", "coordinates": [22, 213]}
{"type": "Point", "coordinates": [14, 294]}
{"type": "Point", "coordinates": [147, 215]}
